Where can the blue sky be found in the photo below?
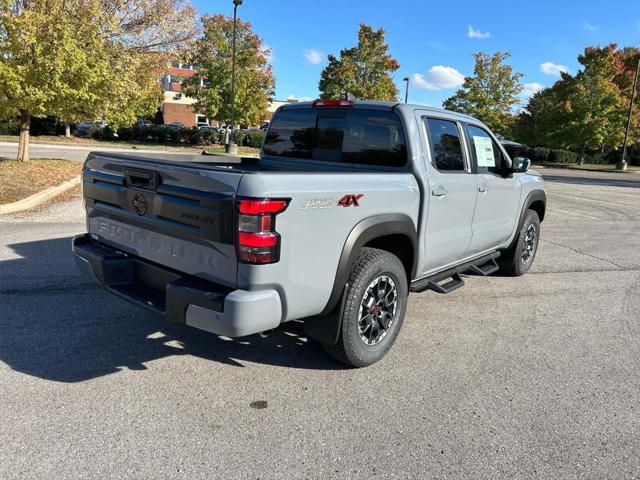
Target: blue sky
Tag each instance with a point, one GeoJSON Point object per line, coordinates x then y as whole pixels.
{"type": "Point", "coordinates": [434, 40]}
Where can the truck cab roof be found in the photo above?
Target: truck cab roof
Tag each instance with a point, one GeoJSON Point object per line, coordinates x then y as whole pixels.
{"type": "Point", "coordinates": [384, 105]}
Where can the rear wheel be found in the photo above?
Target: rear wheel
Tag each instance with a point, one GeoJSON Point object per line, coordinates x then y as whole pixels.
{"type": "Point", "coordinates": [373, 312]}
{"type": "Point", "coordinates": [517, 260]}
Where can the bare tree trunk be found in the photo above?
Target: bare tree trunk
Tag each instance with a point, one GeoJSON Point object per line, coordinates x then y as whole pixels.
{"type": "Point", "coordinates": [582, 154]}
{"type": "Point", "coordinates": [67, 130]}
{"type": "Point", "coordinates": [23, 142]}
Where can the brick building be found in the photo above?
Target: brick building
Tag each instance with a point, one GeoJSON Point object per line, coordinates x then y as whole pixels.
{"type": "Point", "coordinates": [178, 108]}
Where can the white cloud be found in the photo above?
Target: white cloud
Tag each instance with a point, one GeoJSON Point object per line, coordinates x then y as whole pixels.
{"type": "Point", "coordinates": [530, 89]}
{"type": "Point", "coordinates": [313, 56]}
{"type": "Point", "coordinates": [590, 26]}
{"type": "Point", "coordinates": [473, 33]}
{"type": "Point", "coordinates": [551, 68]}
{"type": "Point", "coordinates": [438, 77]}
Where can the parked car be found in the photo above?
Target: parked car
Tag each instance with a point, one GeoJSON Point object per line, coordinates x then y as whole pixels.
{"type": "Point", "coordinates": [142, 122]}
{"type": "Point", "coordinates": [351, 206]}
{"type": "Point", "coordinates": [174, 125]}
{"type": "Point", "coordinates": [206, 126]}
{"type": "Point", "coordinates": [85, 128]}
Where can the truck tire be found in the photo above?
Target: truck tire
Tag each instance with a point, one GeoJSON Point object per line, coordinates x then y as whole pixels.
{"type": "Point", "coordinates": [517, 259]}
{"type": "Point", "coordinates": [374, 308]}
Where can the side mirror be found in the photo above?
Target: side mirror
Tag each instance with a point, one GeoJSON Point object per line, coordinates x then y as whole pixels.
{"type": "Point", "coordinates": [521, 164]}
{"type": "Point", "coordinates": [506, 167]}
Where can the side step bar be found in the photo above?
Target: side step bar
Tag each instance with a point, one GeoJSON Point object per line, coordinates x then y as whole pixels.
{"type": "Point", "coordinates": [448, 287]}
{"type": "Point", "coordinates": [485, 269]}
{"type": "Point", "coordinates": [484, 266]}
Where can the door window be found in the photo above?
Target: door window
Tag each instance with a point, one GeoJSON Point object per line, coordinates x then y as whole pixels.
{"type": "Point", "coordinates": [445, 144]}
{"type": "Point", "coordinates": [485, 151]}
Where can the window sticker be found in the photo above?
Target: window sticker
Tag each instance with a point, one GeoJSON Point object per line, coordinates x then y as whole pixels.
{"type": "Point", "coordinates": [484, 151]}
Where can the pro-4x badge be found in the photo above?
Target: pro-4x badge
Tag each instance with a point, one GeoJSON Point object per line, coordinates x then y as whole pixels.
{"type": "Point", "coordinates": [350, 200]}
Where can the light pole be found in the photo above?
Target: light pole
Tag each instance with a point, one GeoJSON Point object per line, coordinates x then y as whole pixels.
{"type": "Point", "coordinates": [231, 147]}
{"type": "Point", "coordinates": [622, 164]}
{"type": "Point", "coordinates": [406, 90]}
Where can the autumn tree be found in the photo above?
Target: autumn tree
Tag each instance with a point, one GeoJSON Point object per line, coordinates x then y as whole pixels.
{"type": "Point", "coordinates": [626, 67]}
{"type": "Point", "coordinates": [587, 110]}
{"type": "Point", "coordinates": [546, 114]}
{"type": "Point", "coordinates": [77, 59]}
{"type": "Point", "coordinates": [596, 104]}
{"type": "Point", "coordinates": [364, 70]}
{"type": "Point", "coordinates": [211, 86]}
{"type": "Point", "coordinates": [490, 94]}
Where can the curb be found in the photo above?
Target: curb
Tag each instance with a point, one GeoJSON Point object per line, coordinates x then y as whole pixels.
{"type": "Point", "coordinates": [39, 198]}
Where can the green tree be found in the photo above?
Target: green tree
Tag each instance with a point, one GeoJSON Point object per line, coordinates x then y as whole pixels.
{"type": "Point", "coordinates": [490, 94]}
{"type": "Point", "coordinates": [364, 70]}
{"type": "Point", "coordinates": [546, 115]}
{"type": "Point", "coordinates": [211, 86]}
{"type": "Point", "coordinates": [79, 59]}
{"type": "Point", "coordinates": [595, 104]}
{"type": "Point", "coordinates": [588, 110]}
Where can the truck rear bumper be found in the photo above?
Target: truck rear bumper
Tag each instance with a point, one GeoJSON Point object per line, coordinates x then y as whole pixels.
{"type": "Point", "coordinates": [179, 298]}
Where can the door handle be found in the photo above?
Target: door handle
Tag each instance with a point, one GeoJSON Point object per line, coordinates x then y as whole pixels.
{"type": "Point", "coordinates": [439, 192]}
{"type": "Point", "coordinates": [483, 189]}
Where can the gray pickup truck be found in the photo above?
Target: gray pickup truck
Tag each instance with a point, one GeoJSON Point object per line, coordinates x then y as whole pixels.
{"type": "Point", "coordinates": [350, 206]}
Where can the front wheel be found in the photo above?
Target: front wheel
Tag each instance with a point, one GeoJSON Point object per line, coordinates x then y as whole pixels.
{"type": "Point", "coordinates": [517, 260]}
{"type": "Point", "coordinates": [374, 308]}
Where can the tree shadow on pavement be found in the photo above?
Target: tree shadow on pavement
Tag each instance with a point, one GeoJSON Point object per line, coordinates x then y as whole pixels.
{"type": "Point", "coordinates": [58, 325]}
{"type": "Point", "coordinates": [594, 181]}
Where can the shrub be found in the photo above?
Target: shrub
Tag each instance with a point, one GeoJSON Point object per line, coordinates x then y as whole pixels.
{"type": "Point", "coordinates": [598, 158]}
{"type": "Point", "coordinates": [46, 126]}
{"type": "Point", "coordinates": [9, 127]}
{"type": "Point", "coordinates": [562, 156]}
{"type": "Point", "coordinates": [105, 133]}
{"type": "Point", "coordinates": [253, 139]}
{"type": "Point", "coordinates": [191, 136]}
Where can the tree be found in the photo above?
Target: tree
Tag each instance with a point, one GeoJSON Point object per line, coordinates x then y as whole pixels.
{"type": "Point", "coordinates": [364, 70]}
{"type": "Point", "coordinates": [211, 86]}
{"type": "Point", "coordinates": [78, 59]}
{"type": "Point", "coordinates": [490, 94]}
{"type": "Point", "coordinates": [588, 110]}
{"type": "Point", "coordinates": [626, 71]}
{"type": "Point", "coordinates": [546, 115]}
{"type": "Point", "coordinates": [595, 105]}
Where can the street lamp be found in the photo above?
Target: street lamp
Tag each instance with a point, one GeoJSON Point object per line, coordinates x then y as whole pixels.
{"type": "Point", "coordinates": [406, 91]}
{"type": "Point", "coordinates": [622, 164]}
{"type": "Point", "coordinates": [231, 147]}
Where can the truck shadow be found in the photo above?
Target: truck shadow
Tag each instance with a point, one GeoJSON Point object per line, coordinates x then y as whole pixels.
{"type": "Point", "coordinates": [57, 325]}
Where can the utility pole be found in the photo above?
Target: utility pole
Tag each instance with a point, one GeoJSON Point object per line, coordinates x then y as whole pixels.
{"type": "Point", "coordinates": [622, 164]}
{"type": "Point", "coordinates": [231, 146]}
{"type": "Point", "coordinates": [406, 90]}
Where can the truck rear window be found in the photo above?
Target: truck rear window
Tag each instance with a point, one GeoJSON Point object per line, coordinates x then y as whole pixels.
{"type": "Point", "coordinates": [360, 136]}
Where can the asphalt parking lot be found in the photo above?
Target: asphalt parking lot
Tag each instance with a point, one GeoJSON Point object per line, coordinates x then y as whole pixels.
{"type": "Point", "coordinates": [532, 377]}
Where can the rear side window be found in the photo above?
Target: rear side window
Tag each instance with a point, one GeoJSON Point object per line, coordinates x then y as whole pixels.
{"type": "Point", "coordinates": [357, 136]}
{"type": "Point", "coordinates": [486, 153]}
{"type": "Point", "coordinates": [291, 134]}
{"type": "Point", "coordinates": [446, 145]}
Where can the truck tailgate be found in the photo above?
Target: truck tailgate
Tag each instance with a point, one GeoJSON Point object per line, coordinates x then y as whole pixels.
{"type": "Point", "coordinates": [141, 207]}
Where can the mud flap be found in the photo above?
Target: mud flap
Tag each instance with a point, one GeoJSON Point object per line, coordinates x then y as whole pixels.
{"type": "Point", "coordinates": [326, 329]}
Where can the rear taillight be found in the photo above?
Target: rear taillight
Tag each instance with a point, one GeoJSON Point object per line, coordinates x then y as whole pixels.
{"type": "Point", "coordinates": [258, 242]}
